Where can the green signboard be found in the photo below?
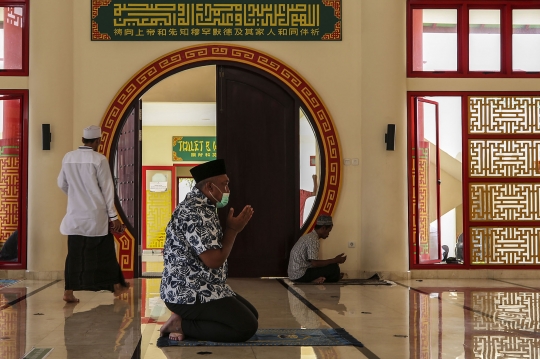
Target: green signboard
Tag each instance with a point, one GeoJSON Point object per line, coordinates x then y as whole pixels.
{"type": "Point", "coordinates": [216, 20]}
{"type": "Point", "coordinates": [190, 148]}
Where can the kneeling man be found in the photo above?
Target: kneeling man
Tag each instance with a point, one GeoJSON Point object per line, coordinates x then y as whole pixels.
{"type": "Point", "coordinates": [304, 265]}
{"type": "Point", "coordinates": [193, 286]}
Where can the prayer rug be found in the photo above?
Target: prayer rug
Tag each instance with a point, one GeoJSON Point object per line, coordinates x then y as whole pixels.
{"type": "Point", "coordinates": [7, 282]}
{"type": "Point", "coordinates": [279, 337]}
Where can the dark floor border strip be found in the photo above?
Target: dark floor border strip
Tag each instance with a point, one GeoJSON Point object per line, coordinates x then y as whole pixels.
{"type": "Point", "coordinates": [13, 302]}
{"type": "Point", "coordinates": [368, 353]}
{"type": "Point", "coordinates": [516, 284]}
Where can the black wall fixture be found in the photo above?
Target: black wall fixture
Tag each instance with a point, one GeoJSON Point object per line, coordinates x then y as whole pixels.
{"type": "Point", "coordinates": [46, 136]}
{"type": "Point", "coordinates": [390, 137]}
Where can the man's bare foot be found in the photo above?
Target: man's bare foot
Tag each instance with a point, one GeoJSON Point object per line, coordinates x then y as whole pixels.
{"type": "Point", "coordinates": [173, 327]}
{"type": "Point", "coordinates": [319, 280]}
{"type": "Point", "coordinates": [69, 297]}
{"type": "Point", "coordinates": [119, 289]}
{"type": "Point", "coordinates": [176, 336]}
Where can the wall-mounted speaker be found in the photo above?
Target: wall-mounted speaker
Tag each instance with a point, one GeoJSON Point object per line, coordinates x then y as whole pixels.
{"type": "Point", "coordinates": [390, 137]}
{"type": "Point", "coordinates": [46, 136]}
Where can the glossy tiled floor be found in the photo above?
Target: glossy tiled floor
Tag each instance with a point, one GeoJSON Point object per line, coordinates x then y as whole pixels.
{"type": "Point", "coordinates": [431, 318]}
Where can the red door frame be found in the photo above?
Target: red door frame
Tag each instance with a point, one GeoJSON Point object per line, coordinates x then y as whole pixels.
{"type": "Point", "coordinates": [420, 118]}
{"type": "Point", "coordinates": [22, 201]}
{"type": "Point", "coordinates": [411, 95]}
{"type": "Point", "coordinates": [414, 31]}
{"type": "Point", "coordinates": [25, 36]}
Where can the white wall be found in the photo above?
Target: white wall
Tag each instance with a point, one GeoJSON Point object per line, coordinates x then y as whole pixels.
{"type": "Point", "coordinates": [383, 182]}
{"type": "Point", "coordinates": [51, 96]}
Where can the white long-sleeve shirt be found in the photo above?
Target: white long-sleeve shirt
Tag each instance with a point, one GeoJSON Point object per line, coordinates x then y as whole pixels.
{"type": "Point", "coordinates": [86, 178]}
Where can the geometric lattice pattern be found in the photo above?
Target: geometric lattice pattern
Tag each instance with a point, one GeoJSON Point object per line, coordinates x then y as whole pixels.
{"type": "Point", "coordinates": [158, 214]}
{"type": "Point", "coordinates": [504, 311]}
{"type": "Point", "coordinates": [505, 346]}
{"type": "Point", "coordinates": [9, 196]}
{"type": "Point", "coordinates": [505, 245]}
{"type": "Point", "coordinates": [503, 314]}
{"type": "Point", "coordinates": [504, 115]}
{"type": "Point", "coordinates": [10, 324]}
{"type": "Point", "coordinates": [504, 201]}
{"type": "Point", "coordinates": [504, 143]}
{"type": "Point", "coordinates": [423, 200]}
{"type": "Point", "coordinates": [504, 158]}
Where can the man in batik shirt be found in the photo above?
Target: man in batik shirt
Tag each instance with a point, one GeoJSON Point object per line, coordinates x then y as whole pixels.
{"type": "Point", "coordinates": [195, 256]}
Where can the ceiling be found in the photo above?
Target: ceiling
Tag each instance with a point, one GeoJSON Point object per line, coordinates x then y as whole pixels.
{"type": "Point", "coordinates": [187, 98]}
{"type": "Point", "coordinates": [179, 113]}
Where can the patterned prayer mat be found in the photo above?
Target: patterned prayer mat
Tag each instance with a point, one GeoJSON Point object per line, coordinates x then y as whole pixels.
{"type": "Point", "coordinates": [7, 282]}
{"type": "Point", "coordinates": [279, 337]}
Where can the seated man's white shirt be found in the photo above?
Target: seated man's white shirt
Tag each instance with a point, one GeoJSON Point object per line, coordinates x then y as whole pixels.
{"type": "Point", "coordinates": [303, 252]}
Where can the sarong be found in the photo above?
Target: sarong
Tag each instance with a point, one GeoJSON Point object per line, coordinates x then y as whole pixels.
{"type": "Point", "coordinates": [91, 264]}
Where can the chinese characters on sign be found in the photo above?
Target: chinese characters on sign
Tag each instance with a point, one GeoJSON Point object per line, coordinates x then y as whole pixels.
{"type": "Point", "coordinates": [240, 20]}
{"type": "Point", "coordinates": [188, 148]}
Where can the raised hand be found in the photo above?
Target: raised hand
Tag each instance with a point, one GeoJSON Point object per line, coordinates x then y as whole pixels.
{"type": "Point", "coordinates": [238, 223]}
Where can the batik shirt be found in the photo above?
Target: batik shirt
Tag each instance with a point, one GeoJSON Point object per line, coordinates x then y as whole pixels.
{"type": "Point", "coordinates": [304, 251]}
{"type": "Point", "coordinates": [193, 229]}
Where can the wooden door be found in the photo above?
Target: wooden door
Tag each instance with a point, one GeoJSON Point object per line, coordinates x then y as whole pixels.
{"type": "Point", "coordinates": [127, 176]}
{"type": "Point", "coordinates": [257, 135]}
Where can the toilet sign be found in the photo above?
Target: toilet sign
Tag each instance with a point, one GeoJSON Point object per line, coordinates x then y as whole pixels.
{"type": "Point", "coordinates": [194, 148]}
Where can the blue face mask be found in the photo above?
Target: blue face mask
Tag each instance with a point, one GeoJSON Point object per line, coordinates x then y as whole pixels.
{"type": "Point", "coordinates": [224, 198]}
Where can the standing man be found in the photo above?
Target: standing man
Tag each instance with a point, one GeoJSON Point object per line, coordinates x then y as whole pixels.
{"type": "Point", "coordinates": [195, 256]}
{"type": "Point", "coordinates": [304, 263]}
{"type": "Point", "coordinates": [91, 260]}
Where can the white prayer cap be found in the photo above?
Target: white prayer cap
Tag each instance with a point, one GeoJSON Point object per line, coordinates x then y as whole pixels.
{"type": "Point", "coordinates": [92, 132]}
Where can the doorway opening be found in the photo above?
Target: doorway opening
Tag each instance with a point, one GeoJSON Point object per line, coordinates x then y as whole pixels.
{"type": "Point", "coordinates": [248, 62]}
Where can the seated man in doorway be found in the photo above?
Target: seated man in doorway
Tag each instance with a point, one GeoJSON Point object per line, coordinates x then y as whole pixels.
{"type": "Point", "coordinates": [304, 265]}
{"type": "Point", "coordinates": [195, 255]}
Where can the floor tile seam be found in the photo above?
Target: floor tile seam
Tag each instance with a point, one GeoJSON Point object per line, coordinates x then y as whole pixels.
{"type": "Point", "coordinates": [364, 350]}
{"type": "Point", "coordinates": [15, 301]}
{"type": "Point", "coordinates": [148, 328]}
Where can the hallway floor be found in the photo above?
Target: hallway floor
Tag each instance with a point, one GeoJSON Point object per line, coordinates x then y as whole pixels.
{"type": "Point", "coordinates": [430, 318]}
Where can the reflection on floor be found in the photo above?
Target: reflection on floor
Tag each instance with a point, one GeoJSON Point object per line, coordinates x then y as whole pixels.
{"type": "Point", "coordinates": [152, 263]}
{"type": "Point", "coordinates": [475, 318]}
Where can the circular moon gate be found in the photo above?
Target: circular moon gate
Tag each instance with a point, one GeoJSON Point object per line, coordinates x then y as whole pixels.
{"type": "Point", "coordinates": [173, 62]}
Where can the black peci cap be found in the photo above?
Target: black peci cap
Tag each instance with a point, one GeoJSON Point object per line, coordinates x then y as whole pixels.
{"type": "Point", "coordinates": [208, 169]}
